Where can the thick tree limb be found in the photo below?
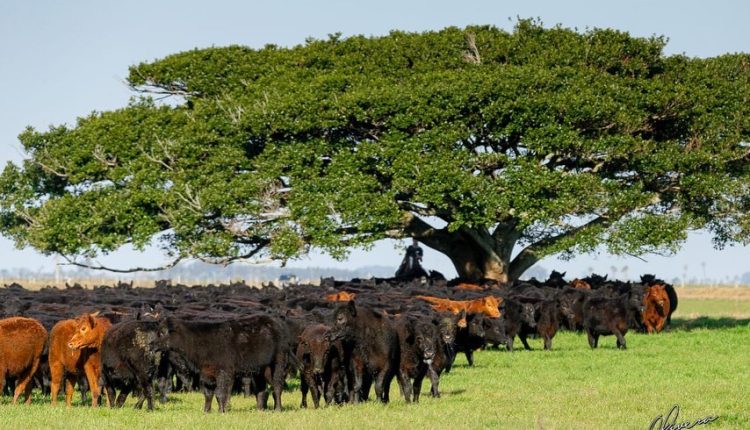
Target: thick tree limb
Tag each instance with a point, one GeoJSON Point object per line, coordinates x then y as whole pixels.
{"type": "Point", "coordinates": [535, 252]}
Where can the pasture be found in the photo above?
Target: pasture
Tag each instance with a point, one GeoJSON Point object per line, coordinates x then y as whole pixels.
{"type": "Point", "coordinates": [702, 365]}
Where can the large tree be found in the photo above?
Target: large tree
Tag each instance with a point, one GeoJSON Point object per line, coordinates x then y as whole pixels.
{"type": "Point", "coordinates": [494, 148]}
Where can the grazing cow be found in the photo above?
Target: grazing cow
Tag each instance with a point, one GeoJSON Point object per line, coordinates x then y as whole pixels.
{"type": "Point", "coordinates": [417, 344]}
{"type": "Point", "coordinates": [656, 302]}
{"type": "Point", "coordinates": [130, 357]}
{"type": "Point", "coordinates": [605, 316]}
{"type": "Point", "coordinates": [488, 305]}
{"type": "Point", "coordinates": [321, 366]}
{"type": "Point", "coordinates": [74, 348]}
{"type": "Point", "coordinates": [21, 345]}
{"type": "Point", "coordinates": [372, 347]}
{"type": "Point", "coordinates": [255, 346]}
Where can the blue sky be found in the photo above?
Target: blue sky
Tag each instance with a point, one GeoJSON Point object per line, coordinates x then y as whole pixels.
{"type": "Point", "coordinates": [60, 60]}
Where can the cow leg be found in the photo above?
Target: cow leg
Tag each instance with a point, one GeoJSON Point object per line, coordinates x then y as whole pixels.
{"type": "Point", "coordinates": [110, 395]}
{"type": "Point", "coordinates": [57, 373]}
{"type": "Point", "coordinates": [379, 382]}
{"type": "Point", "coordinates": [356, 394]}
{"type": "Point", "coordinates": [315, 392]}
{"type": "Point", "coordinates": [70, 382]}
{"type": "Point", "coordinates": [208, 396]}
{"type": "Point", "coordinates": [620, 340]}
{"type": "Point", "coordinates": [303, 386]}
{"type": "Point", "coordinates": [82, 387]}
{"type": "Point", "coordinates": [23, 381]}
{"type": "Point", "coordinates": [277, 375]}
{"type": "Point", "coordinates": [547, 343]}
{"type": "Point", "coordinates": [387, 385]}
{"type": "Point", "coordinates": [509, 344]}
{"type": "Point", "coordinates": [524, 342]}
{"type": "Point", "coordinates": [261, 400]}
{"type": "Point", "coordinates": [141, 399]}
{"type": "Point", "coordinates": [123, 396]}
{"type": "Point", "coordinates": [223, 390]}
{"type": "Point", "coordinates": [418, 385]}
{"type": "Point", "coordinates": [93, 380]}
{"type": "Point", "coordinates": [470, 357]}
{"type": "Point", "coordinates": [435, 382]}
{"type": "Point", "coordinates": [2, 383]}
{"type": "Point", "coordinates": [592, 342]}
{"type": "Point", "coordinates": [404, 384]}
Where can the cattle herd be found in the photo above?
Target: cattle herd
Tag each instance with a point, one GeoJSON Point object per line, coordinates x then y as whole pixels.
{"type": "Point", "coordinates": [341, 338]}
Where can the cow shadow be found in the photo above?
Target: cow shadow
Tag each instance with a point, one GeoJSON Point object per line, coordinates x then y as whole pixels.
{"type": "Point", "coordinates": [708, 323]}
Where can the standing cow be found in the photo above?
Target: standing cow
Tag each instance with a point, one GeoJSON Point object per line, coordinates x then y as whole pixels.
{"type": "Point", "coordinates": [371, 343]}
{"type": "Point", "coordinates": [74, 347]}
{"type": "Point", "coordinates": [254, 347]}
{"type": "Point", "coordinates": [21, 344]}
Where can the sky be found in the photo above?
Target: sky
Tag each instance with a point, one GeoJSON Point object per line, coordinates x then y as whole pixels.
{"type": "Point", "coordinates": [60, 60]}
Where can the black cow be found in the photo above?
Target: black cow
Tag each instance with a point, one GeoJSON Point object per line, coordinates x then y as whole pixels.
{"type": "Point", "coordinates": [255, 346]}
{"type": "Point", "coordinates": [130, 358]}
{"type": "Point", "coordinates": [417, 343]}
{"type": "Point", "coordinates": [605, 316]}
{"type": "Point", "coordinates": [321, 366]}
{"type": "Point", "coordinates": [471, 337]}
{"type": "Point", "coordinates": [517, 316]}
{"type": "Point", "coordinates": [372, 349]}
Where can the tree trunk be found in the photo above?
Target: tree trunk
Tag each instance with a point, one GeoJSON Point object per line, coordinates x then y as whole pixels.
{"type": "Point", "coordinates": [475, 254]}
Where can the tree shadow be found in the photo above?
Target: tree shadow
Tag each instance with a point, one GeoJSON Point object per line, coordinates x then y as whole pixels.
{"type": "Point", "coordinates": [708, 323]}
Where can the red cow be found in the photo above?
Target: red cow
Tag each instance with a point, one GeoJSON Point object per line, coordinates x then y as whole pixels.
{"type": "Point", "coordinates": [74, 349]}
{"type": "Point", "coordinates": [486, 305]}
{"type": "Point", "coordinates": [21, 344]}
{"type": "Point", "coordinates": [657, 306]}
{"type": "Point", "coordinates": [341, 296]}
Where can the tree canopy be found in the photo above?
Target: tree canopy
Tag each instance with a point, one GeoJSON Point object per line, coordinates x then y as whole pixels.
{"type": "Point", "coordinates": [495, 148]}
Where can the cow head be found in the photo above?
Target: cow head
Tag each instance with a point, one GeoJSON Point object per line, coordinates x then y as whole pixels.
{"type": "Point", "coordinates": [448, 325]}
{"type": "Point", "coordinates": [314, 348]}
{"type": "Point", "coordinates": [657, 297]}
{"type": "Point", "coordinates": [528, 314]}
{"type": "Point", "coordinates": [492, 304]}
{"type": "Point", "coordinates": [86, 333]}
{"type": "Point", "coordinates": [343, 319]}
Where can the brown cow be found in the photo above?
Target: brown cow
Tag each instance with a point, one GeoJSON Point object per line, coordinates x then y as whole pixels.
{"type": "Point", "coordinates": [488, 305]}
{"type": "Point", "coordinates": [21, 344]}
{"type": "Point", "coordinates": [656, 301]}
{"type": "Point", "coordinates": [341, 296]}
{"type": "Point", "coordinates": [580, 284]}
{"type": "Point", "coordinates": [74, 349]}
{"type": "Point", "coordinates": [469, 287]}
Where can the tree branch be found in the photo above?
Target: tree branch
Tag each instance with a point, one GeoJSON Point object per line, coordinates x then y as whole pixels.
{"type": "Point", "coordinates": [71, 262]}
{"type": "Point", "coordinates": [535, 252]}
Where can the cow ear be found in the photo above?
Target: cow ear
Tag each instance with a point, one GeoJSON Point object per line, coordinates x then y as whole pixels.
{"type": "Point", "coordinates": [352, 308]}
{"type": "Point", "coordinates": [91, 318]}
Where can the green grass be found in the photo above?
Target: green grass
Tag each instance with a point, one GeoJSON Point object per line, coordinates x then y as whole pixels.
{"type": "Point", "coordinates": [702, 365]}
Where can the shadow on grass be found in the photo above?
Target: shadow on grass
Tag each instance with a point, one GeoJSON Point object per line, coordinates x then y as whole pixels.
{"type": "Point", "coordinates": [709, 323]}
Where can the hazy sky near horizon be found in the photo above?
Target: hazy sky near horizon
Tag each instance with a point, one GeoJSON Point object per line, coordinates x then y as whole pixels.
{"type": "Point", "coordinates": [61, 60]}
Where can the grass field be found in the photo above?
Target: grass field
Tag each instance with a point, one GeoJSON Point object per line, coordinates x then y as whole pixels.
{"type": "Point", "coordinates": [703, 365]}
